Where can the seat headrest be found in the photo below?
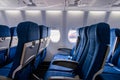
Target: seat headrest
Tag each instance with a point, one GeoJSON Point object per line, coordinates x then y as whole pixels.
{"type": "Point", "coordinates": [28, 31]}
{"type": "Point", "coordinates": [4, 31]}
{"type": "Point", "coordinates": [13, 31]}
{"type": "Point", "coordinates": [43, 31]}
{"type": "Point", "coordinates": [115, 32]}
{"type": "Point", "coordinates": [101, 31]}
{"type": "Point", "coordinates": [48, 31]}
{"type": "Point", "coordinates": [80, 30]}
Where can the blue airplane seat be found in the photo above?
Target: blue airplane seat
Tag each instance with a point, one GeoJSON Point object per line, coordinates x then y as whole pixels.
{"type": "Point", "coordinates": [114, 49]}
{"type": "Point", "coordinates": [66, 53]}
{"type": "Point", "coordinates": [44, 31]}
{"type": "Point", "coordinates": [105, 76]}
{"type": "Point", "coordinates": [13, 44]}
{"type": "Point", "coordinates": [114, 35]}
{"type": "Point", "coordinates": [98, 40]}
{"type": "Point", "coordinates": [5, 38]}
{"type": "Point", "coordinates": [77, 55]}
{"type": "Point", "coordinates": [96, 49]}
{"type": "Point", "coordinates": [28, 43]}
{"type": "Point", "coordinates": [112, 68]}
{"type": "Point", "coordinates": [42, 46]}
{"type": "Point", "coordinates": [47, 41]}
{"type": "Point", "coordinates": [76, 51]}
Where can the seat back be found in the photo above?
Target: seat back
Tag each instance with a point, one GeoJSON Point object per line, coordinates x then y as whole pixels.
{"type": "Point", "coordinates": [28, 43]}
{"type": "Point", "coordinates": [115, 59]}
{"type": "Point", "coordinates": [81, 43]}
{"type": "Point", "coordinates": [13, 44]}
{"type": "Point", "coordinates": [48, 36]}
{"type": "Point", "coordinates": [43, 37]}
{"type": "Point", "coordinates": [97, 45]}
{"type": "Point", "coordinates": [114, 37]}
{"type": "Point", "coordinates": [44, 41]}
{"type": "Point", "coordinates": [5, 38]}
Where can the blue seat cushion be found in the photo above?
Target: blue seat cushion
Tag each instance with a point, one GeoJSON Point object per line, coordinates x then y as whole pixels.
{"type": "Point", "coordinates": [111, 69]}
{"type": "Point", "coordinates": [4, 71]}
{"type": "Point", "coordinates": [2, 58]}
{"type": "Point", "coordinates": [105, 76]}
{"type": "Point", "coordinates": [61, 56]}
{"type": "Point", "coordinates": [60, 68]}
{"type": "Point", "coordinates": [12, 54]}
{"type": "Point", "coordinates": [57, 73]}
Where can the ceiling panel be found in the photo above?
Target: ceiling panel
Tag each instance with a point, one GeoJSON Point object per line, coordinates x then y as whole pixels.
{"type": "Point", "coordinates": [59, 3]}
{"type": "Point", "coordinates": [102, 3]}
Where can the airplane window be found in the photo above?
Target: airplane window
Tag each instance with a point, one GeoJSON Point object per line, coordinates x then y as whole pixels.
{"type": "Point", "coordinates": [55, 36]}
{"type": "Point", "coordinates": [72, 36]}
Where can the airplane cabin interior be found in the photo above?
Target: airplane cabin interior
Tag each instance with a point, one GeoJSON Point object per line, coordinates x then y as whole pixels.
{"type": "Point", "coordinates": [59, 39]}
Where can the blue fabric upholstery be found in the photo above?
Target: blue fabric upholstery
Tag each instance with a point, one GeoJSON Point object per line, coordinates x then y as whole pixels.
{"type": "Point", "coordinates": [76, 56]}
{"type": "Point", "coordinates": [98, 41]}
{"type": "Point", "coordinates": [27, 32]}
{"type": "Point", "coordinates": [4, 32]}
{"type": "Point", "coordinates": [43, 31]}
{"type": "Point", "coordinates": [48, 31]}
{"type": "Point", "coordinates": [93, 56]}
{"type": "Point", "coordinates": [114, 33]}
{"type": "Point", "coordinates": [58, 73]}
{"type": "Point", "coordinates": [111, 70]}
{"type": "Point", "coordinates": [115, 58]}
{"type": "Point", "coordinates": [108, 76]}
{"type": "Point", "coordinates": [12, 50]}
{"type": "Point", "coordinates": [41, 55]}
{"type": "Point", "coordinates": [13, 31]}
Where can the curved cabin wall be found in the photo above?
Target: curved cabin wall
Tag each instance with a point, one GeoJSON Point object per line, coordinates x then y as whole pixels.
{"type": "Point", "coordinates": [63, 21]}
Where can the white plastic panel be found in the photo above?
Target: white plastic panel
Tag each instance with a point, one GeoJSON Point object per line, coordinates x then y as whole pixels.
{"type": "Point", "coordinates": [75, 19]}
{"type": "Point", "coordinates": [2, 19]}
{"type": "Point", "coordinates": [114, 19]}
{"type": "Point", "coordinates": [13, 17]}
{"type": "Point", "coordinates": [34, 15]}
{"type": "Point", "coordinates": [54, 19]}
{"type": "Point", "coordinates": [96, 17]}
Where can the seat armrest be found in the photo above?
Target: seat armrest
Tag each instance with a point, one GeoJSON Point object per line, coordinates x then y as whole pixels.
{"type": "Point", "coordinates": [110, 64]}
{"type": "Point", "coordinates": [66, 63]}
{"type": "Point", "coordinates": [67, 50]}
{"type": "Point", "coordinates": [60, 78]}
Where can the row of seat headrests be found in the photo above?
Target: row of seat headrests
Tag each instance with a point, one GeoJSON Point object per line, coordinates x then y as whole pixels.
{"type": "Point", "coordinates": [99, 31]}
{"type": "Point", "coordinates": [5, 31]}
{"type": "Point", "coordinates": [114, 37]}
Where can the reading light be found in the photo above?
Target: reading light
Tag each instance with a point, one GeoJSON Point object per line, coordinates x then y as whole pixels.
{"type": "Point", "coordinates": [33, 11]}
{"type": "Point", "coordinates": [53, 11]}
{"type": "Point", "coordinates": [13, 11]}
{"type": "Point", "coordinates": [75, 12]}
{"type": "Point", "coordinates": [97, 12]}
